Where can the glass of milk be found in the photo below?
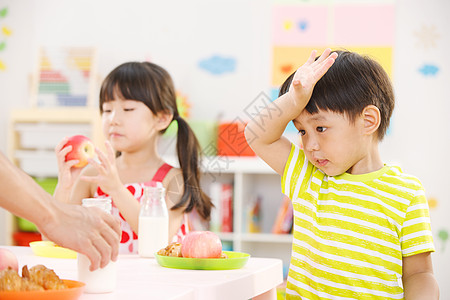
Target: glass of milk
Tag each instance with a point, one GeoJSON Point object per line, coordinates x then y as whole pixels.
{"type": "Point", "coordinates": [153, 233]}
{"type": "Point", "coordinates": [102, 280]}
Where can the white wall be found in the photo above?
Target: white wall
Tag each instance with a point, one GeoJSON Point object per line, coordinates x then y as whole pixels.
{"type": "Point", "coordinates": [421, 125]}
{"type": "Point", "coordinates": [178, 34]}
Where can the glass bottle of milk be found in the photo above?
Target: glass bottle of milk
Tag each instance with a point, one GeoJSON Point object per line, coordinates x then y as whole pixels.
{"type": "Point", "coordinates": [153, 229]}
{"type": "Point", "coordinates": [102, 280]}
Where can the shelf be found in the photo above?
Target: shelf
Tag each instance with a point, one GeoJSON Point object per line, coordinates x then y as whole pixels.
{"type": "Point", "coordinates": [266, 238]}
{"type": "Point", "coordinates": [229, 164]}
{"type": "Point", "coordinates": [226, 236]}
{"type": "Point", "coordinates": [56, 115]}
{"type": "Point", "coordinates": [256, 237]}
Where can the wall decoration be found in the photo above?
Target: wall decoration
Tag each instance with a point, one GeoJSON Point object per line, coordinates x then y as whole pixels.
{"type": "Point", "coordinates": [184, 109]}
{"type": "Point", "coordinates": [299, 28]}
{"type": "Point", "coordinates": [218, 65]}
{"type": "Point", "coordinates": [5, 33]}
{"type": "Point", "coordinates": [310, 29]}
{"type": "Point", "coordinates": [432, 203]}
{"type": "Point", "coordinates": [443, 237]}
{"type": "Point", "coordinates": [364, 25]}
{"type": "Point", "coordinates": [183, 105]}
{"type": "Point", "coordinates": [286, 59]}
{"type": "Point", "coordinates": [429, 70]}
{"type": "Point", "coordinates": [303, 25]}
{"type": "Point", "coordinates": [427, 37]}
{"type": "Point", "coordinates": [3, 12]}
{"type": "Point", "coordinates": [287, 25]}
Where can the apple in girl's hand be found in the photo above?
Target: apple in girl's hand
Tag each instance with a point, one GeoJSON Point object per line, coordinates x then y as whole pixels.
{"type": "Point", "coordinates": [8, 259]}
{"type": "Point", "coordinates": [82, 150]}
{"type": "Point", "coordinates": [201, 244]}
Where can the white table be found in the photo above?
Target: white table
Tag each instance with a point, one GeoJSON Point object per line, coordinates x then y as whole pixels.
{"type": "Point", "coordinates": [143, 278]}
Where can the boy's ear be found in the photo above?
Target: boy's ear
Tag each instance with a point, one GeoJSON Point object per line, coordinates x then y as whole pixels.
{"type": "Point", "coordinates": [372, 119]}
{"type": "Point", "coordinates": [163, 120]}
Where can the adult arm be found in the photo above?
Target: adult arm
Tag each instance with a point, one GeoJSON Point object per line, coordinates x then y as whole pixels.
{"type": "Point", "coordinates": [88, 231]}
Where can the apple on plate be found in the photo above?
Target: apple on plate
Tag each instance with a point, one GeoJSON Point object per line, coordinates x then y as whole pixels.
{"type": "Point", "coordinates": [82, 150]}
{"type": "Point", "coordinates": [201, 244]}
{"type": "Point", "coordinates": [8, 259]}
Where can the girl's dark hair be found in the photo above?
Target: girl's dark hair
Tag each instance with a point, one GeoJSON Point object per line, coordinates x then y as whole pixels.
{"type": "Point", "coordinates": [352, 83]}
{"type": "Point", "coordinates": [152, 85]}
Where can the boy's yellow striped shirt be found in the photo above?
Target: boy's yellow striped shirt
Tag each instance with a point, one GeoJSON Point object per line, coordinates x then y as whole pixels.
{"type": "Point", "coordinates": [351, 231]}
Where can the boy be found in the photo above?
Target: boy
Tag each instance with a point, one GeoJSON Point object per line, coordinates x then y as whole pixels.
{"type": "Point", "coordinates": [361, 228]}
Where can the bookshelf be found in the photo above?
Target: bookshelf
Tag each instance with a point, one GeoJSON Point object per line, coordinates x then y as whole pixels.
{"type": "Point", "coordinates": [33, 134]}
{"type": "Point", "coordinates": [62, 102]}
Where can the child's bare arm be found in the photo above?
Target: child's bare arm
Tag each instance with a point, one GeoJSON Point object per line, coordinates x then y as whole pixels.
{"type": "Point", "coordinates": [264, 132]}
{"type": "Point", "coordinates": [418, 278]}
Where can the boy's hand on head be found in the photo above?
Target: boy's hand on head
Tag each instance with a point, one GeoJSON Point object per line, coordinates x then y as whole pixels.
{"type": "Point", "coordinates": [308, 74]}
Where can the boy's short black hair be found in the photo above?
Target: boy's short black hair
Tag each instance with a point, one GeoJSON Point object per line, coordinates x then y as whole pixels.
{"type": "Point", "coordinates": [352, 83]}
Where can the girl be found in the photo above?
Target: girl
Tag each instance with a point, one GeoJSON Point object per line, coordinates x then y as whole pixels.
{"type": "Point", "coordinates": [137, 104]}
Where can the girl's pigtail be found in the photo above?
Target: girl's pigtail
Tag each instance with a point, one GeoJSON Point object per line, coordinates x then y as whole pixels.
{"type": "Point", "coordinates": [188, 150]}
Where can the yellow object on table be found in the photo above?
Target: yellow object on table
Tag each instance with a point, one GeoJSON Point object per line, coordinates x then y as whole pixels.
{"type": "Point", "coordinates": [50, 249]}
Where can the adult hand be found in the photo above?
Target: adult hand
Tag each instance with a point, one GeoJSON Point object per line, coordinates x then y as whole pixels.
{"type": "Point", "coordinates": [89, 231]}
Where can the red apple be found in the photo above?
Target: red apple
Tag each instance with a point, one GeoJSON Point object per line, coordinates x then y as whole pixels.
{"type": "Point", "coordinates": [201, 244]}
{"type": "Point", "coordinates": [8, 259]}
{"type": "Point", "coordinates": [82, 150]}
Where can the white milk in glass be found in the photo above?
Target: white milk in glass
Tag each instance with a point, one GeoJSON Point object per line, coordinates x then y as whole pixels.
{"type": "Point", "coordinates": [153, 235]}
{"type": "Point", "coordinates": [153, 228]}
{"type": "Point", "coordinates": [102, 280]}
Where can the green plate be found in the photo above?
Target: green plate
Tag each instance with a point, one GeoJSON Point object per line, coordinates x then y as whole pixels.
{"type": "Point", "coordinates": [235, 260]}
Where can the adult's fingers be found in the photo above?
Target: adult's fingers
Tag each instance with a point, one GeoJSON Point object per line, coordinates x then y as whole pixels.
{"type": "Point", "coordinates": [103, 248]}
{"type": "Point", "coordinates": [94, 256]}
{"type": "Point", "coordinates": [111, 234]}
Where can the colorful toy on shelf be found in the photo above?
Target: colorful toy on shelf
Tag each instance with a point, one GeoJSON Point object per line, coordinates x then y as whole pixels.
{"type": "Point", "coordinates": [64, 77]}
{"type": "Point", "coordinates": [231, 140]}
{"type": "Point", "coordinates": [254, 215]}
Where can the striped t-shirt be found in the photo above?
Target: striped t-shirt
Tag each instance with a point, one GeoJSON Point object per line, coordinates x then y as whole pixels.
{"type": "Point", "coordinates": [351, 231]}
